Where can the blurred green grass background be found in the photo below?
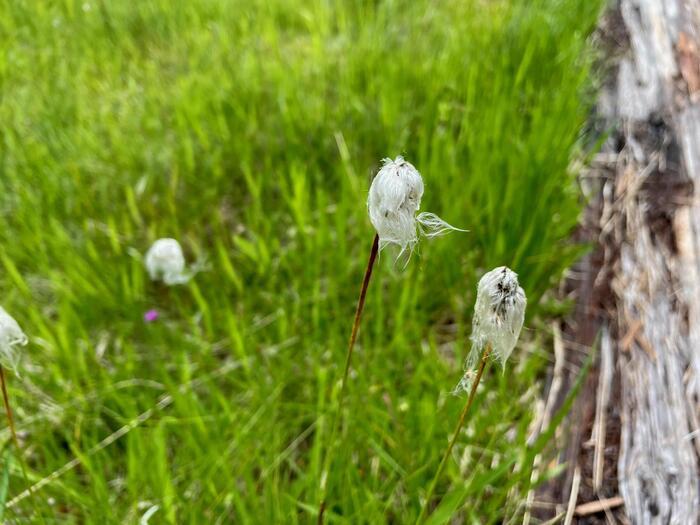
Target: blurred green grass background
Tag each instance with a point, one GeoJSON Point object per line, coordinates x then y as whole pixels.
{"type": "Point", "coordinates": [250, 132]}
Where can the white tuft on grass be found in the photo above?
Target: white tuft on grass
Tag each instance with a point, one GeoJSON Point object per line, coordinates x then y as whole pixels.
{"type": "Point", "coordinates": [499, 314]}
{"type": "Point", "coordinates": [165, 261]}
{"type": "Point", "coordinates": [394, 199]}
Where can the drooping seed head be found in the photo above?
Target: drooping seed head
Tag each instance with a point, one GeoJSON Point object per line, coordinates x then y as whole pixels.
{"type": "Point", "coordinates": [394, 199]}
{"type": "Point", "coordinates": [11, 336]}
{"type": "Point", "coordinates": [166, 261]}
{"type": "Point", "coordinates": [499, 314]}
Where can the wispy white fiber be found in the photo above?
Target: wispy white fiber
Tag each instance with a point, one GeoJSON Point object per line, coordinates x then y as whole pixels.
{"type": "Point", "coordinates": [431, 225]}
{"type": "Point", "coordinates": [11, 336]}
{"type": "Point", "coordinates": [499, 314]}
{"type": "Point", "coordinates": [394, 199]}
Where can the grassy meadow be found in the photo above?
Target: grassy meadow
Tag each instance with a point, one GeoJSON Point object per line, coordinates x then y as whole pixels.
{"type": "Point", "coordinates": [250, 131]}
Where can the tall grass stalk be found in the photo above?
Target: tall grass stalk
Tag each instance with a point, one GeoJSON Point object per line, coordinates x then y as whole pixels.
{"type": "Point", "coordinates": [337, 417]}
{"type": "Point", "coordinates": [462, 418]}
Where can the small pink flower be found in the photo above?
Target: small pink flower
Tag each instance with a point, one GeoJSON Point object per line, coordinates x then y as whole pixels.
{"type": "Point", "coordinates": [150, 316]}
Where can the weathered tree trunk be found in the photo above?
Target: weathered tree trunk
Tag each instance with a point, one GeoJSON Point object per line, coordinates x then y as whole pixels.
{"type": "Point", "coordinates": [654, 229]}
{"type": "Point", "coordinates": [646, 220]}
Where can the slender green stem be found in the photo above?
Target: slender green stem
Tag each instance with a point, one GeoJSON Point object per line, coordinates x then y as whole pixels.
{"type": "Point", "coordinates": [460, 423]}
{"type": "Point", "coordinates": [337, 417]}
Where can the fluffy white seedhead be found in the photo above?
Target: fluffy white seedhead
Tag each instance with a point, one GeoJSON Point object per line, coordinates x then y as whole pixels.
{"type": "Point", "coordinates": [11, 336]}
{"type": "Point", "coordinates": [498, 318]}
{"type": "Point", "coordinates": [394, 199]}
{"type": "Point", "coordinates": [166, 262]}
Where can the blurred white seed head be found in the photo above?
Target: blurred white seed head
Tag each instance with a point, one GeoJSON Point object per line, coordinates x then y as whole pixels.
{"type": "Point", "coordinates": [499, 313]}
{"type": "Point", "coordinates": [166, 262]}
{"type": "Point", "coordinates": [394, 199]}
{"type": "Point", "coordinates": [11, 336]}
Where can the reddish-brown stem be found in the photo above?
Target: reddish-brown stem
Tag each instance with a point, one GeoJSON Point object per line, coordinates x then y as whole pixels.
{"type": "Point", "coordinates": [11, 423]}
{"type": "Point", "coordinates": [8, 410]}
{"type": "Point", "coordinates": [348, 359]}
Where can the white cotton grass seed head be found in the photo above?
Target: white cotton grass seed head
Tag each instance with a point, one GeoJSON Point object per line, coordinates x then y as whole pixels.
{"type": "Point", "coordinates": [499, 314]}
{"type": "Point", "coordinates": [165, 261]}
{"type": "Point", "coordinates": [394, 199]}
{"type": "Point", "coordinates": [11, 336]}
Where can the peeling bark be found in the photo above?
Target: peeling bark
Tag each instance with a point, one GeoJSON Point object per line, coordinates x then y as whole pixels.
{"type": "Point", "coordinates": [657, 467]}
{"type": "Point", "coordinates": [645, 219]}
{"type": "Point", "coordinates": [654, 228]}
{"type": "Point", "coordinates": [655, 231]}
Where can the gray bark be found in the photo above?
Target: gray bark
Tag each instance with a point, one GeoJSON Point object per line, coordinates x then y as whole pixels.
{"type": "Point", "coordinates": [650, 233]}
